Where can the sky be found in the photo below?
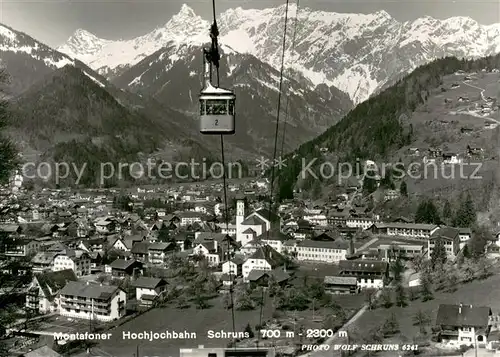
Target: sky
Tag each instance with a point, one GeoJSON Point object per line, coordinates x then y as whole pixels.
{"type": "Point", "coordinates": [54, 21]}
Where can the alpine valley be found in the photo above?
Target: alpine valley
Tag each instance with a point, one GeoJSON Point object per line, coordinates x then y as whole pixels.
{"type": "Point", "coordinates": [137, 98]}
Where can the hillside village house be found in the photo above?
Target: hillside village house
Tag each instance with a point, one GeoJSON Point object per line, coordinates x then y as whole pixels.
{"type": "Point", "coordinates": [43, 261]}
{"type": "Point", "coordinates": [264, 258]}
{"type": "Point", "coordinates": [158, 252]}
{"type": "Point", "coordinates": [188, 218]}
{"type": "Point", "coordinates": [148, 289]}
{"type": "Point", "coordinates": [77, 260]}
{"type": "Point", "coordinates": [341, 284]}
{"type": "Point", "coordinates": [369, 273]}
{"type": "Point", "coordinates": [83, 300]}
{"type": "Point", "coordinates": [409, 230]}
{"type": "Point", "coordinates": [233, 266]}
{"type": "Point", "coordinates": [464, 324]}
{"type": "Point", "coordinates": [42, 294]}
{"type": "Point", "coordinates": [21, 248]}
{"type": "Point", "coordinates": [124, 267]}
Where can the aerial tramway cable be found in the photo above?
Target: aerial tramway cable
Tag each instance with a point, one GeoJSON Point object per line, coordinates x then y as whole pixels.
{"type": "Point", "coordinates": [294, 36]}
{"type": "Point", "coordinates": [215, 57]}
{"type": "Point", "coordinates": [275, 151]}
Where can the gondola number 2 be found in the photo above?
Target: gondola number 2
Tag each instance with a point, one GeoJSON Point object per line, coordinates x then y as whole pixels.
{"type": "Point", "coordinates": [216, 122]}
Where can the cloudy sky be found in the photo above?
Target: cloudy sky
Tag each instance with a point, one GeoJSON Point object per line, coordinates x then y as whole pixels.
{"type": "Point", "coordinates": [53, 21]}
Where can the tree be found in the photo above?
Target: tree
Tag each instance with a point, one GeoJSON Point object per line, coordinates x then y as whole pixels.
{"type": "Point", "coordinates": [370, 184]}
{"type": "Point", "coordinates": [400, 295]}
{"type": "Point", "coordinates": [466, 213]}
{"type": "Point", "coordinates": [9, 161]}
{"type": "Point", "coordinates": [397, 268]}
{"type": "Point", "coordinates": [427, 212]}
{"type": "Point", "coordinates": [390, 326]}
{"type": "Point", "coordinates": [370, 295]}
{"type": "Point", "coordinates": [447, 213]}
{"type": "Point", "coordinates": [386, 298]}
{"type": "Point", "coordinates": [438, 255]}
{"type": "Point", "coordinates": [164, 234]}
{"type": "Point", "coordinates": [403, 189]}
{"type": "Point", "coordinates": [249, 330]}
{"type": "Point", "coordinates": [477, 243]}
{"type": "Point", "coordinates": [422, 320]}
{"type": "Point", "coordinates": [426, 285]}
{"type": "Point", "coordinates": [483, 269]}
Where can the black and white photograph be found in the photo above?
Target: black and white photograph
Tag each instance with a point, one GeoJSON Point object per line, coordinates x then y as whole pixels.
{"type": "Point", "coordinates": [236, 178]}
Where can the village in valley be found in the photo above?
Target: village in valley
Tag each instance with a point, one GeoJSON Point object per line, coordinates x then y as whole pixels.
{"type": "Point", "coordinates": [111, 272]}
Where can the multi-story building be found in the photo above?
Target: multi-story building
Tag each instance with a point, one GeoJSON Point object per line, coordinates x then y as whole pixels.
{"type": "Point", "coordinates": [148, 289]}
{"type": "Point", "coordinates": [77, 260]}
{"type": "Point", "coordinates": [321, 251]}
{"type": "Point", "coordinates": [408, 230]}
{"type": "Point", "coordinates": [21, 248]}
{"type": "Point", "coordinates": [359, 222]}
{"type": "Point", "coordinates": [370, 273]}
{"type": "Point", "coordinates": [450, 238]}
{"type": "Point", "coordinates": [83, 300]}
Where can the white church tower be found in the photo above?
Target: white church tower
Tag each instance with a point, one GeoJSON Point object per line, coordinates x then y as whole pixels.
{"type": "Point", "coordinates": [240, 217]}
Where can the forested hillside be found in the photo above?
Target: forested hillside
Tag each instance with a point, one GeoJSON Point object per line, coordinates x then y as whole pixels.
{"type": "Point", "coordinates": [376, 128]}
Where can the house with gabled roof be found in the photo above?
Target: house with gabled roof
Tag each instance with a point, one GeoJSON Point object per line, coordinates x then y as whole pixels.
{"type": "Point", "coordinates": [451, 239]}
{"type": "Point", "coordinates": [147, 289]}
{"type": "Point", "coordinates": [464, 324]}
{"type": "Point", "coordinates": [158, 252]}
{"type": "Point", "coordinates": [42, 294]}
{"type": "Point", "coordinates": [125, 267]}
{"type": "Point", "coordinates": [264, 258]}
{"type": "Point", "coordinates": [369, 273]}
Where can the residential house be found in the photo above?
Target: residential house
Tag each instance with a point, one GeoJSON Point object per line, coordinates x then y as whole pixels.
{"type": "Point", "coordinates": [105, 226]}
{"type": "Point", "coordinates": [187, 218]}
{"type": "Point", "coordinates": [369, 273]}
{"type": "Point", "coordinates": [148, 289]}
{"type": "Point", "coordinates": [465, 235]}
{"type": "Point", "coordinates": [341, 284]}
{"type": "Point", "coordinates": [43, 261]}
{"type": "Point", "coordinates": [263, 277]}
{"type": "Point", "coordinates": [233, 266]}
{"type": "Point", "coordinates": [274, 239]}
{"type": "Point", "coordinates": [21, 248]}
{"type": "Point", "coordinates": [42, 294]}
{"type": "Point", "coordinates": [140, 251]}
{"type": "Point", "coordinates": [125, 267]}
{"type": "Point", "coordinates": [83, 300]}
{"type": "Point", "coordinates": [158, 252]}
{"type": "Point", "coordinates": [463, 324]}
{"type": "Point", "coordinates": [77, 260]}
{"type": "Point", "coordinates": [264, 258]}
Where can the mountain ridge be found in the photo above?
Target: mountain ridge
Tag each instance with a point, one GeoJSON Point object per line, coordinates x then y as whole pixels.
{"type": "Point", "coordinates": [357, 53]}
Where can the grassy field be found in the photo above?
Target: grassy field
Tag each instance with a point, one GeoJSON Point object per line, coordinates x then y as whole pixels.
{"type": "Point", "coordinates": [216, 318]}
{"type": "Point", "coordinates": [477, 293]}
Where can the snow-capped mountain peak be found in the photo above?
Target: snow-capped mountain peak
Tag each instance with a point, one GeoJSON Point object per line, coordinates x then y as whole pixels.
{"type": "Point", "coordinates": [83, 45]}
{"type": "Point", "coordinates": [357, 53]}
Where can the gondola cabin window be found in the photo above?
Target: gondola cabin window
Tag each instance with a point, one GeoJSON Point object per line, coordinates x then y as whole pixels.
{"type": "Point", "coordinates": [216, 107]}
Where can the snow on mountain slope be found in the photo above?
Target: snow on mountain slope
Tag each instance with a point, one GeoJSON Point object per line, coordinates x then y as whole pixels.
{"type": "Point", "coordinates": [357, 53]}
{"type": "Point", "coordinates": [27, 60]}
{"type": "Point", "coordinates": [112, 57]}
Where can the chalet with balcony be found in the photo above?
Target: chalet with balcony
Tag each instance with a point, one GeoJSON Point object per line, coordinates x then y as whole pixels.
{"type": "Point", "coordinates": [42, 294]}
{"type": "Point", "coordinates": [158, 252]}
{"type": "Point", "coordinates": [84, 300]}
{"type": "Point", "coordinates": [18, 248]}
{"type": "Point", "coordinates": [464, 324]}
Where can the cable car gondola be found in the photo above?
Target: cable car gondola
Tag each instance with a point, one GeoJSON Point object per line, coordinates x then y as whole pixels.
{"type": "Point", "coordinates": [216, 110]}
